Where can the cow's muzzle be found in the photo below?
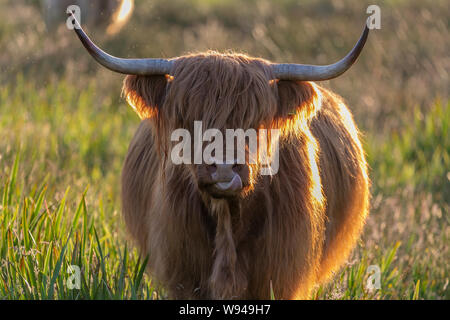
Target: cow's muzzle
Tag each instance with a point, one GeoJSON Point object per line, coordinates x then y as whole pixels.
{"type": "Point", "coordinates": [223, 180]}
{"type": "Point", "coordinates": [227, 177]}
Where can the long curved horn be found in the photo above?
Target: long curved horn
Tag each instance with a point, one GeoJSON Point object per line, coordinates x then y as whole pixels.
{"type": "Point", "coordinates": [142, 67]}
{"type": "Point", "coordinates": [304, 72]}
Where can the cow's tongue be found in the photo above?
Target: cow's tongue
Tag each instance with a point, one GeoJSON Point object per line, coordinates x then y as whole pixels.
{"type": "Point", "coordinates": [233, 185]}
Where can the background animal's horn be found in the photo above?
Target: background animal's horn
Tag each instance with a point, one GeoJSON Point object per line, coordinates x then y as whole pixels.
{"type": "Point", "coordinates": [143, 67]}
{"type": "Point", "coordinates": [303, 72]}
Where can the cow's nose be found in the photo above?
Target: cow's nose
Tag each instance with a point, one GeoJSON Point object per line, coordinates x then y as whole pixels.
{"type": "Point", "coordinates": [225, 176]}
{"type": "Point", "coordinates": [221, 172]}
{"type": "Point", "coordinates": [224, 172]}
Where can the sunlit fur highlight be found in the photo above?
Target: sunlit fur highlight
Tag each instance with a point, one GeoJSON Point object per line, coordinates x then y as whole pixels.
{"type": "Point", "coordinates": [291, 230]}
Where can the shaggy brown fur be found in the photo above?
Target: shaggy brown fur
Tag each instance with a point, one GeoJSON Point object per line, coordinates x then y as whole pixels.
{"type": "Point", "coordinates": [291, 231]}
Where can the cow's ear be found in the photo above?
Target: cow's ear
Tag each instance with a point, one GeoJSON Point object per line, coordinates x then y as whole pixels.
{"type": "Point", "coordinates": [297, 99]}
{"type": "Point", "coordinates": [145, 94]}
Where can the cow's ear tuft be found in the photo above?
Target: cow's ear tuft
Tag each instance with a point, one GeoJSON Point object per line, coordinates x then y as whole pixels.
{"type": "Point", "coordinates": [297, 99]}
{"type": "Point", "coordinates": [145, 94]}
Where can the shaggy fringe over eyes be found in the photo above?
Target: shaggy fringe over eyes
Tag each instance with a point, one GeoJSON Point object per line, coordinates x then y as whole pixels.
{"type": "Point", "coordinates": [221, 90]}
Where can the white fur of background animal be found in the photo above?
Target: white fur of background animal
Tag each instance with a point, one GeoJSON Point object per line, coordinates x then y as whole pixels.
{"type": "Point", "coordinates": [113, 14]}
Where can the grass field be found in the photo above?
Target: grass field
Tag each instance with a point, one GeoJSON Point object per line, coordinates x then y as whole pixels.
{"type": "Point", "coordinates": [64, 132]}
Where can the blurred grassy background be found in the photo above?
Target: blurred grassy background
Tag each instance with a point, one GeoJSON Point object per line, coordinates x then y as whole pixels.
{"type": "Point", "coordinates": [64, 115]}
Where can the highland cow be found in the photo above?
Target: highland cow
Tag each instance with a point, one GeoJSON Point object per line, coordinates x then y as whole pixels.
{"type": "Point", "coordinates": [282, 233]}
